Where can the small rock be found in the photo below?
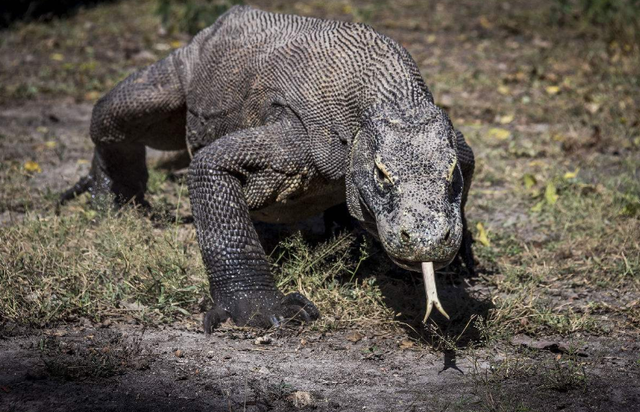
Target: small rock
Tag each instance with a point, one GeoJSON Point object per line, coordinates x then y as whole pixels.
{"type": "Point", "coordinates": [354, 337]}
{"type": "Point", "coordinates": [406, 344]}
{"type": "Point", "coordinates": [179, 353]}
{"type": "Point", "coordinates": [262, 340]}
{"type": "Point", "coordinates": [301, 399]}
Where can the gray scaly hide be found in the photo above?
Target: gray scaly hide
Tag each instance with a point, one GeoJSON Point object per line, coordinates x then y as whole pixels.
{"type": "Point", "coordinates": [287, 116]}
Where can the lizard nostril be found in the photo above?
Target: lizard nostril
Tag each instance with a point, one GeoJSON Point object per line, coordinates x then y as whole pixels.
{"type": "Point", "coordinates": [405, 236]}
{"type": "Point", "coordinates": [446, 235]}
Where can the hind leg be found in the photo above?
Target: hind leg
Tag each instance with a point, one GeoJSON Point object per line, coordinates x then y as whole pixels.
{"type": "Point", "coordinates": [146, 109]}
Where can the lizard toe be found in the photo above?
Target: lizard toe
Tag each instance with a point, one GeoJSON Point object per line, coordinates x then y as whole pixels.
{"type": "Point", "coordinates": [213, 318]}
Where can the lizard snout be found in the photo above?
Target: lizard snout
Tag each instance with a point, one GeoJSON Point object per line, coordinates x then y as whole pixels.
{"type": "Point", "coordinates": [407, 239]}
{"type": "Point", "coordinates": [437, 240]}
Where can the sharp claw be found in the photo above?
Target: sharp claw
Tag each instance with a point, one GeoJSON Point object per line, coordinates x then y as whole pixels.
{"type": "Point", "coordinates": [305, 315]}
{"type": "Point", "coordinates": [212, 319]}
{"type": "Point", "coordinates": [428, 274]}
{"type": "Point", "coordinates": [83, 185]}
{"type": "Point", "coordinates": [305, 304]}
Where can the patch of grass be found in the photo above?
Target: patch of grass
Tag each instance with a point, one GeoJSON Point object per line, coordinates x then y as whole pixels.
{"type": "Point", "coordinates": [95, 265]}
{"type": "Point", "coordinates": [490, 384]}
{"type": "Point", "coordinates": [81, 56]}
{"type": "Point", "coordinates": [496, 381]}
{"type": "Point", "coordinates": [191, 16]}
{"type": "Point", "coordinates": [13, 180]}
{"type": "Point", "coordinates": [582, 240]}
{"type": "Point", "coordinates": [99, 263]}
{"type": "Point", "coordinates": [328, 274]}
{"type": "Point", "coordinates": [619, 19]}
{"type": "Point", "coordinates": [565, 373]}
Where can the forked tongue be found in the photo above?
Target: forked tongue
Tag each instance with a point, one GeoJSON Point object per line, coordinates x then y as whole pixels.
{"type": "Point", "coordinates": [429, 276]}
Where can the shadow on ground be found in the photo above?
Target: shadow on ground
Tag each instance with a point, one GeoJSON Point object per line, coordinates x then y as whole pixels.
{"type": "Point", "coordinates": [27, 10]}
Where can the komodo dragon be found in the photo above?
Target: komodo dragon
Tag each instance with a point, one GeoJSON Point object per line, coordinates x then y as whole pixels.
{"type": "Point", "coordinates": [286, 116]}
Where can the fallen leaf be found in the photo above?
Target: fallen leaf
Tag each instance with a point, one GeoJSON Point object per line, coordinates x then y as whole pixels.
{"type": "Point", "coordinates": [482, 235]}
{"type": "Point", "coordinates": [431, 39]}
{"type": "Point", "coordinates": [50, 144]}
{"type": "Point", "coordinates": [162, 46]}
{"type": "Point", "coordinates": [94, 95]}
{"type": "Point", "coordinates": [506, 119]}
{"type": "Point", "coordinates": [499, 133]}
{"type": "Point", "coordinates": [57, 57]}
{"type": "Point", "coordinates": [32, 167]}
{"type": "Point", "coordinates": [550, 194]}
{"type": "Point", "coordinates": [537, 163]}
{"type": "Point", "coordinates": [176, 43]}
{"type": "Point", "coordinates": [552, 90]}
{"type": "Point", "coordinates": [42, 129]}
{"type": "Point", "coordinates": [537, 208]}
{"type": "Point", "coordinates": [592, 107]}
{"type": "Point", "coordinates": [504, 90]}
{"type": "Point", "coordinates": [571, 175]}
{"type": "Point", "coordinates": [485, 23]}
{"type": "Point", "coordinates": [529, 181]}
{"type": "Point", "coordinates": [82, 161]}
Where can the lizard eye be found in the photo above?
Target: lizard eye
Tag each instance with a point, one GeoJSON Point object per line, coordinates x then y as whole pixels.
{"type": "Point", "coordinates": [382, 176]}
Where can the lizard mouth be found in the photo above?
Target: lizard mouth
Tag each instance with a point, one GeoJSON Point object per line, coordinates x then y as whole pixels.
{"type": "Point", "coordinates": [416, 266]}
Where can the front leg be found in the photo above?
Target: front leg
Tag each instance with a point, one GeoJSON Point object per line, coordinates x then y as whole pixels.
{"type": "Point", "coordinates": [246, 170]}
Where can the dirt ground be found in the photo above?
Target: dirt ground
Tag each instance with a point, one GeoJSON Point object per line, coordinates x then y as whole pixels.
{"type": "Point", "coordinates": [550, 323]}
{"type": "Point", "coordinates": [174, 369]}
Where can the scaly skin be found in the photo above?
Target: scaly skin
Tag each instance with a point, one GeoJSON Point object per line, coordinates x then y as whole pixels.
{"type": "Point", "coordinates": [287, 116]}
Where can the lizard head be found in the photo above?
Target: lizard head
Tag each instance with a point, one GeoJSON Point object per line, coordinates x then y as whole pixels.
{"type": "Point", "coordinates": [405, 185]}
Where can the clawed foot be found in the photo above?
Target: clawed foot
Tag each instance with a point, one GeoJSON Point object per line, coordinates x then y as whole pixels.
{"type": "Point", "coordinates": [101, 198]}
{"type": "Point", "coordinates": [262, 311]}
{"type": "Point", "coordinates": [123, 182]}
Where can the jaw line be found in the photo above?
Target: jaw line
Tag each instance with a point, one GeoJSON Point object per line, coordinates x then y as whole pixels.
{"type": "Point", "coordinates": [416, 266]}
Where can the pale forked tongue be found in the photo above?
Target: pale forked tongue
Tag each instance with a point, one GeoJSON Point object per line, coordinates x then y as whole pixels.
{"type": "Point", "coordinates": [429, 276]}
